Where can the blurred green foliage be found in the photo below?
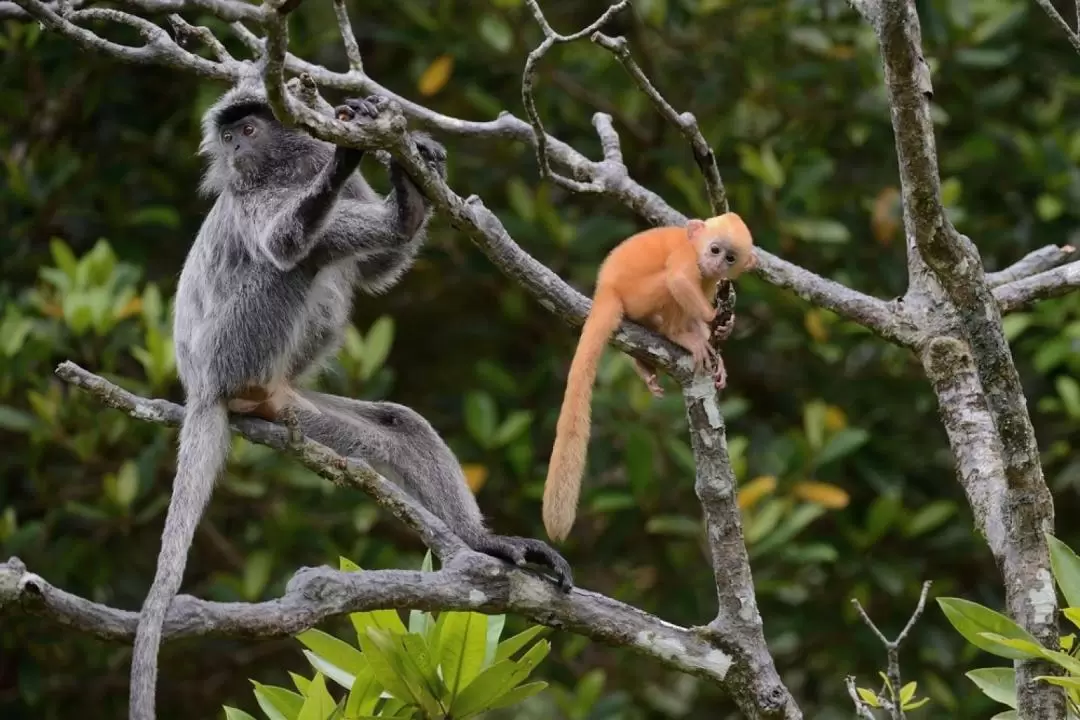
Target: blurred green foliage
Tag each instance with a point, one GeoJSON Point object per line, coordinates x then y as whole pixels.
{"type": "Point", "coordinates": [846, 480]}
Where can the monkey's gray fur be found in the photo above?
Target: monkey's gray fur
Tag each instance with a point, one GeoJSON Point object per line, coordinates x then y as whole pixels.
{"type": "Point", "coordinates": [265, 295]}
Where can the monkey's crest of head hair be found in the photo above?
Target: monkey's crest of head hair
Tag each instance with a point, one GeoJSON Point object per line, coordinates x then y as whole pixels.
{"type": "Point", "coordinates": [288, 153]}
{"type": "Point", "coordinates": [736, 244]}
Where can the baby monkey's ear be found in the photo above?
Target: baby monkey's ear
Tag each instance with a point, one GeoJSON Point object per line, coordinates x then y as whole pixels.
{"type": "Point", "coordinates": [694, 228]}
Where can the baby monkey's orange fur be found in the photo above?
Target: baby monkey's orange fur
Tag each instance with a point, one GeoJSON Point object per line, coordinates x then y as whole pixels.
{"type": "Point", "coordinates": [662, 278]}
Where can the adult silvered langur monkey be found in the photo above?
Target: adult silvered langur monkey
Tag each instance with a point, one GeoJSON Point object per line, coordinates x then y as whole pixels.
{"type": "Point", "coordinates": [264, 297]}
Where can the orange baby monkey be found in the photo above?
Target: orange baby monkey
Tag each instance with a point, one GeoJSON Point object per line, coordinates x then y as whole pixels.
{"type": "Point", "coordinates": [662, 278]}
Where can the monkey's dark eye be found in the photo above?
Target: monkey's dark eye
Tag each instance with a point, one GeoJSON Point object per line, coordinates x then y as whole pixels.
{"type": "Point", "coordinates": [249, 130]}
{"type": "Point", "coordinates": [226, 136]}
{"type": "Point", "coordinates": [714, 249]}
{"type": "Point", "coordinates": [730, 258]}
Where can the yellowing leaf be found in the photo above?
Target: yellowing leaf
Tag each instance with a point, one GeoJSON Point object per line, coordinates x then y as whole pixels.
{"type": "Point", "coordinates": [131, 307]}
{"type": "Point", "coordinates": [885, 218]}
{"type": "Point", "coordinates": [815, 326]}
{"type": "Point", "coordinates": [475, 476]}
{"type": "Point", "coordinates": [436, 76]}
{"type": "Point", "coordinates": [826, 494]}
{"type": "Point", "coordinates": [756, 489]}
{"type": "Point", "coordinates": [835, 419]}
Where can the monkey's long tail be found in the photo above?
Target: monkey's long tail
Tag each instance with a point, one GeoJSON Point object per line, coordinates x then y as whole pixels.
{"type": "Point", "coordinates": [563, 484]}
{"type": "Point", "coordinates": [204, 448]}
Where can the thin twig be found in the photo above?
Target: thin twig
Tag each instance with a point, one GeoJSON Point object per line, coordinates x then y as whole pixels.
{"type": "Point", "coordinates": [686, 122]}
{"type": "Point", "coordinates": [529, 77]}
{"type": "Point", "coordinates": [860, 707]}
{"type": "Point", "coordinates": [352, 48]}
{"type": "Point", "coordinates": [893, 704]}
{"type": "Point", "coordinates": [1073, 37]}
{"type": "Point", "coordinates": [1035, 262]}
{"type": "Point", "coordinates": [186, 32]}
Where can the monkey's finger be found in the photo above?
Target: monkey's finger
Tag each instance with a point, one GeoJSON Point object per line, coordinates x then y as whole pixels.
{"type": "Point", "coordinates": [362, 108]}
{"type": "Point", "coordinates": [541, 553]}
{"type": "Point", "coordinates": [345, 113]}
{"type": "Point", "coordinates": [502, 548]}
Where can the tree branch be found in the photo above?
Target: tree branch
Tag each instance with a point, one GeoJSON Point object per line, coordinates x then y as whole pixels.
{"type": "Point", "coordinates": [1047, 284]}
{"type": "Point", "coordinates": [1035, 262]}
{"type": "Point", "coordinates": [343, 472]}
{"type": "Point", "coordinates": [529, 77]}
{"type": "Point", "coordinates": [1073, 37]}
{"type": "Point", "coordinates": [686, 122]}
{"type": "Point", "coordinates": [482, 584]}
{"type": "Point", "coordinates": [892, 704]}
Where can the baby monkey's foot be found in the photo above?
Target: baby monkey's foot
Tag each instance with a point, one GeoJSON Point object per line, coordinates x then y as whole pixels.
{"type": "Point", "coordinates": [720, 374]}
{"type": "Point", "coordinates": [519, 551]}
{"type": "Point", "coordinates": [647, 374]}
{"type": "Point", "coordinates": [722, 332]}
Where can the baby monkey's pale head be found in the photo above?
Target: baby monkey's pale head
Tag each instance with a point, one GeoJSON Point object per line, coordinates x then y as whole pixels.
{"type": "Point", "coordinates": [724, 244]}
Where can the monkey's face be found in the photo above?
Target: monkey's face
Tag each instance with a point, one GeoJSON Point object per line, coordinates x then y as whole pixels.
{"type": "Point", "coordinates": [244, 141]}
{"type": "Point", "coordinates": [725, 247]}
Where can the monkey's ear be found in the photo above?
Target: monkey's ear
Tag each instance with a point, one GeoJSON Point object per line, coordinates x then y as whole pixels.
{"type": "Point", "coordinates": [694, 227]}
{"type": "Point", "coordinates": [752, 261]}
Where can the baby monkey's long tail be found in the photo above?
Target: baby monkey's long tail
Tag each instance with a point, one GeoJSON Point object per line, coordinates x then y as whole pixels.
{"type": "Point", "coordinates": [204, 447]}
{"type": "Point", "coordinates": [567, 465]}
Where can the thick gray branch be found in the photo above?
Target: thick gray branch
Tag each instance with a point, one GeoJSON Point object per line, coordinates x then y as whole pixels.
{"type": "Point", "coordinates": [480, 584]}
{"type": "Point", "coordinates": [345, 472]}
{"type": "Point", "coordinates": [1035, 262]}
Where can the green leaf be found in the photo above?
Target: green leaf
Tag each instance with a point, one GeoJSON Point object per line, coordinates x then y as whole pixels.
{"type": "Point", "coordinates": [997, 683]}
{"type": "Point", "coordinates": [1067, 682]}
{"type": "Point", "coordinates": [498, 679]}
{"type": "Point", "coordinates": [495, 626]}
{"type": "Point", "coordinates": [385, 665]}
{"type": "Point", "coordinates": [1007, 715]}
{"type": "Point", "coordinates": [329, 669]}
{"type": "Point", "coordinates": [496, 32]}
{"type": "Point", "coordinates": [410, 671]}
{"type": "Point", "coordinates": [790, 526]}
{"type": "Point", "coordinates": [1069, 390]}
{"type": "Point", "coordinates": [814, 423]}
{"type": "Point", "coordinates": [917, 704]}
{"type": "Point", "coordinates": [970, 619]}
{"type": "Point", "coordinates": [333, 650]}
{"type": "Point", "coordinates": [638, 454]}
{"type": "Point", "coordinates": [818, 230]}
{"type": "Point", "coordinates": [907, 692]}
{"type": "Point", "coordinates": [302, 683]}
{"type": "Point", "coordinates": [380, 337]}
{"type": "Point", "coordinates": [63, 257]}
{"type": "Point", "coordinates": [462, 644]}
{"type": "Point", "coordinates": [843, 443]}
{"type": "Point", "coordinates": [513, 697]}
{"type": "Point", "coordinates": [1066, 567]}
{"type": "Point", "coordinates": [869, 697]}
{"type": "Point", "coordinates": [480, 413]}
{"type": "Point", "coordinates": [277, 702]}
{"type": "Point", "coordinates": [232, 713]}
{"type": "Point", "coordinates": [318, 704]}
{"type": "Point", "coordinates": [417, 657]}
{"type": "Point", "coordinates": [256, 574]}
{"type": "Point", "coordinates": [677, 525]}
{"type": "Point", "coordinates": [16, 420]}
{"type": "Point", "coordinates": [1073, 614]}
{"type": "Point", "coordinates": [514, 425]}
{"type": "Point", "coordinates": [928, 517]}
{"type": "Point", "coordinates": [364, 695]}
{"type": "Point", "coordinates": [511, 645]}
{"type": "Point", "coordinates": [388, 620]}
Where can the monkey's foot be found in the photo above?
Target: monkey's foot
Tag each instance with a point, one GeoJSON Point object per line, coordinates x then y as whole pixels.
{"type": "Point", "coordinates": [648, 376]}
{"type": "Point", "coordinates": [653, 384]}
{"type": "Point", "coordinates": [356, 108]}
{"type": "Point", "coordinates": [519, 550]}
{"type": "Point", "coordinates": [720, 374]}
{"type": "Point", "coordinates": [433, 153]}
{"type": "Point", "coordinates": [723, 331]}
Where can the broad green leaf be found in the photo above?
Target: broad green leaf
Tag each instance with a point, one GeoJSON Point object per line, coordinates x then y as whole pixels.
{"type": "Point", "coordinates": [497, 680]}
{"type": "Point", "coordinates": [970, 619]}
{"type": "Point", "coordinates": [333, 650]}
{"type": "Point", "coordinates": [997, 683]}
{"type": "Point", "coordinates": [388, 620]}
{"type": "Point", "coordinates": [385, 665]}
{"type": "Point", "coordinates": [407, 672]}
{"type": "Point", "coordinates": [318, 704]}
{"type": "Point", "coordinates": [364, 694]}
{"type": "Point", "coordinates": [814, 423]}
{"type": "Point", "coordinates": [1073, 614]}
{"type": "Point", "coordinates": [1007, 715]}
{"type": "Point", "coordinates": [277, 702]}
{"type": "Point", "coordinates": [1066, 567]}
{"type": "Point", "coordinates": [1069, 390]}
{"type": "Point", "coordinates": [232, 713]}
{"type": "Point", "coordinates": [416, 655]}
{"type": "Point", "coordinates": [380, 337]}
{"type": "Point", "coordinates": [462, 643]}
{"type": "Point", "coordinates": [514, 425]}
{"type": "Point", "coordinates": [511, 645]}
{"type": "Point", "coordinates": [495, 626]}
{"type": "Point", "coordinates": [1035, 650]}
{"type": "Point", "coordinates": [302, 683]}
{"type": "Point", "coordinates": [790, 526]}
{"type": "Point", "coordinates": [842, 444]}
{"type": "Point", "coordinates": [518, 694]}
{"type": "Point", "coordinates": [341, 677]}
{"type": "Point", "coordinates": [480, 413]}
{"type": "Point", "coordinates": [16, 420]}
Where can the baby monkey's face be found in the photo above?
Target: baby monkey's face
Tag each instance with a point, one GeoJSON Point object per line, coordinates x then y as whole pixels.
{"type": "Point", "coordinates": [724, 244]}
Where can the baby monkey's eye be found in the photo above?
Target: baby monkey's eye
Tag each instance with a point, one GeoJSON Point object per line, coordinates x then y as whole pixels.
{"type": "Point", "coordinates": [249, 129]}
{"type": "Point", "coordinates": [730, 258]}
{"type": "Point", "coordinates": [714, 249]}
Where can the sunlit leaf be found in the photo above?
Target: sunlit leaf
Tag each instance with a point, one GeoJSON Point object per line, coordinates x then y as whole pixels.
{"type": "Point", "coordinates": [822, 493]}
{"type": "Point", "coordinates": [436, 76]}
{"type": "Point", "coordinates": [1066, 566]}
{"type": "Point", "coordinates": [997, 683]}
{"type": "Point", "coordinates": [318, 704]}
{"type": "Point", "coordinates": [759, 487]}
{"type": "Point", "coordinates": [970, 619]}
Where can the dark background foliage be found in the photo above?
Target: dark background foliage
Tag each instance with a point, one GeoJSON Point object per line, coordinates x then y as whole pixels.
{"type": "Point", "coordinates": [846, 480]}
